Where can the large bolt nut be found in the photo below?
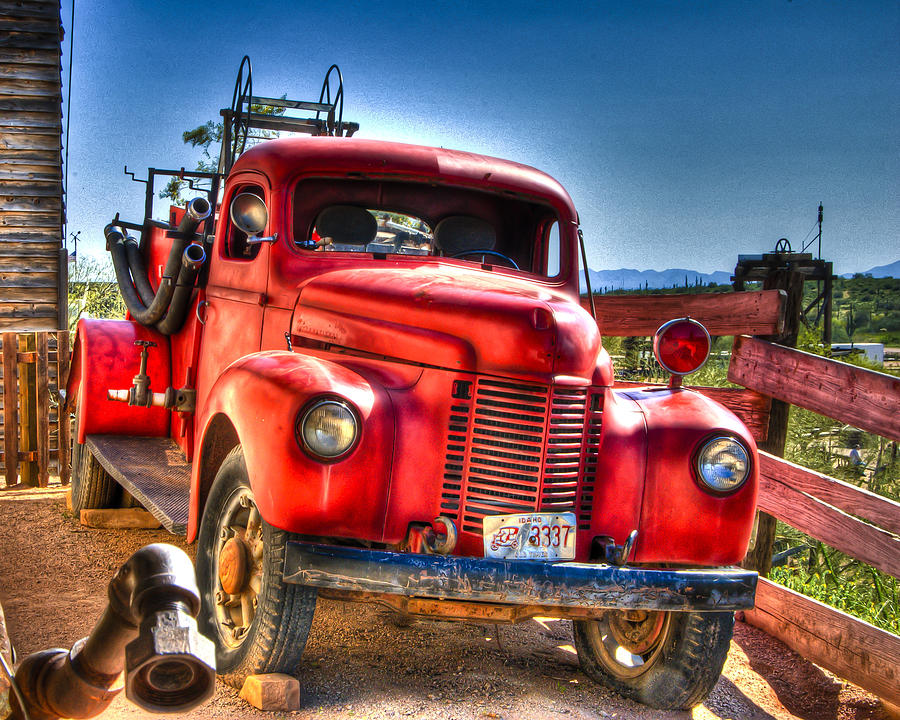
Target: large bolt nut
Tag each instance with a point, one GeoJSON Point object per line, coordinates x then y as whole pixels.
{"type": "Point", "coordinates": [170, 664]}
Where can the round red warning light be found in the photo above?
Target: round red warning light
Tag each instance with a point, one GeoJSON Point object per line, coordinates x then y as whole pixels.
{"type": "Point", "coordinates": [681, 346]}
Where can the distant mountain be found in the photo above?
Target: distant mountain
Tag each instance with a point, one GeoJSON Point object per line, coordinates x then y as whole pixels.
{"type": "Point", "coordinates": [627, 279]}
{"type": "Point", "coordinates": [882, 271]}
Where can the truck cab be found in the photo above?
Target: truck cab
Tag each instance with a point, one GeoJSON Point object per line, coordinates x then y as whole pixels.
{"type": "Point", "coordinates": [374, 380]}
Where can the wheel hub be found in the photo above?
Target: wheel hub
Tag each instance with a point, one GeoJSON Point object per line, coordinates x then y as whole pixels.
{"type": "Point", "coordinates": [637, 635]}
{"type": "Point", "coordinates": [233, 565]}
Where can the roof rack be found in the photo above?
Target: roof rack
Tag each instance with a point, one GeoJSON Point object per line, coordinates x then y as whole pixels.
{"type": "Point", "coordinates": [245, 114]}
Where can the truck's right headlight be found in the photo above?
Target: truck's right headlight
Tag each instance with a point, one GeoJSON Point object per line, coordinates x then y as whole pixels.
{"type": "Point", "coordinates": [327, 428]}
{"type": "Point", "coordinates": [723, 464]}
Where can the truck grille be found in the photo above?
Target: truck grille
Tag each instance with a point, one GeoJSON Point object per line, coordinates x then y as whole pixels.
{"type": "Point", "coordinates": [519, 448]}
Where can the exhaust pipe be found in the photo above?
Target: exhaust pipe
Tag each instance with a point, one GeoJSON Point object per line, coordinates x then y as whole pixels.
{"type": "Point", "coordinates": [146, 306]}
{"type": "Point", "coordinates": [148, 628]}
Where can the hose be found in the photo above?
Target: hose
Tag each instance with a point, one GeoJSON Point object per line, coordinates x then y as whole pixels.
{"type": "Point", "coordinates": [131, 271]}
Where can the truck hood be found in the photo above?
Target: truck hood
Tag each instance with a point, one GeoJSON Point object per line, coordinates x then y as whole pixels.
{"type": "Point", "coordinates": [452, 317]}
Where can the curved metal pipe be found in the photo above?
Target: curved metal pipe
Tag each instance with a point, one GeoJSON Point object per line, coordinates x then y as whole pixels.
{"type": "Point", "coordinates": [146, 306]}
{"type": "Point", "coordinates": [191, 261]}
{"type": "Point", "coordinates": [148, 628]}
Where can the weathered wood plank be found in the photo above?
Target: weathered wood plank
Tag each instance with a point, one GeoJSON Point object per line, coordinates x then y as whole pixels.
{"type": "Point", "coordinates": [25, 56]}
{"type": "Point", "coordinates": [29, 88]}
{"type": "Point", "coordinates": [28, 324]}
{"type": "Point", "coordinates": [10, 405]}
{"type": "Point", "coordinates": [878, 510]}
{"type": "Point", "coordinates": [834, 527]}
{"type": "Point", "coordinates": [13, 141]}
{"type": "Point", "coordinates": [851, 648]}
{"type": "Point", "coordinates": [42, 248]}
{"type": "Point", "coordinates": [751, 407]}
{"type": "Point", "coordinates": [33, 103]}
{"type": "Point", "coordinates": [30, 173]}
{"type": "Point", "coordinates": [26, 280]}
{"type": "Point", "coordinates": [31, 312]}
{"type": "Point", "coordinates": [32, 265]}
{"type": "Point", "coordinates": [20, 295]}
{"type": "Point", "coordinates": [19, 188]}
{"type": "Point", "coordinates": [30, 24]}
{"type": "Point", "coordinates": [29, 41]}
{"type": "Point", "coordinates": [30, 71]}
{"type": "Point", "coordinates": [863, 398]}
{"type": "Point", "coordinates": [119, 519]}
{"type": "Point", "coordinates": [10, 203]}
{"type": "Point", "coordinates": [63, 468]}
{"type": "Point", "coordinates": [42, 382]}
{"type": "Point", "coordinates": [752, 313]}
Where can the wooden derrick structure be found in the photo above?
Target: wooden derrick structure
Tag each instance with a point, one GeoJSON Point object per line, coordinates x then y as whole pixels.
{"type": "Point", "coordinates": [32, 263]}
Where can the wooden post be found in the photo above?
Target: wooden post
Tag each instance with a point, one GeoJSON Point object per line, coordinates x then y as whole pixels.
{"type": "Point", "coordinates": [10, 402]}
{"type": "Point", "coordinates": [62, 376]}
{"type": "Point", "coordinates": [759, 558]}
{"type": "Point", "coordinates": [28, 410]}
{"type": "Point", "coordinates": [42, 397]}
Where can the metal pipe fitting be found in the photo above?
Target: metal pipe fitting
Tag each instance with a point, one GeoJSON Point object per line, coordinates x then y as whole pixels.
{"type": "Point", "coordinates": [148, 628]}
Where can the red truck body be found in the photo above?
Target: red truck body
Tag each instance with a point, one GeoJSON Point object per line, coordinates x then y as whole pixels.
{"type": "Point", "coordinates": [478, 387]}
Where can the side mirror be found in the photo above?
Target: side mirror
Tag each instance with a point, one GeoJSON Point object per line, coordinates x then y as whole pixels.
{"type": "Point", "coordinates": [249, 214]}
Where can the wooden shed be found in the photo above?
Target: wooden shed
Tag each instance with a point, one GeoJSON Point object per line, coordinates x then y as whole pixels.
{"type": "Point", "coordinates": [32, 262]}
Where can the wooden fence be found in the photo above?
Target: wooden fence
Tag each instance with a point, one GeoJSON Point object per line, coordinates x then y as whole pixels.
{"type": "Point", "coordinates": [35, 439]}
{"type": "Point", "coordinates": [853, 520]}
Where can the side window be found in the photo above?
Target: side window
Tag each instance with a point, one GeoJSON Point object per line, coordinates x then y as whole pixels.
{"type": "Point", "coordinates": [553, 248]}
{"type": "Point", "coordinates": [236, 245]}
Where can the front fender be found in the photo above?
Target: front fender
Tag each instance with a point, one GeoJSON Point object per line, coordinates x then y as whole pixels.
{"type": "Point", "coordinates": [262, 395]}
{"type": "Point", "coordinates": [104, 357]}
{"type": "Point", "coordinates": [680, 521]}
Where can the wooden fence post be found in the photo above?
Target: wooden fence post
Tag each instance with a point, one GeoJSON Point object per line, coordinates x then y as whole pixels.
{"type": "Point", "coordinates": [28, 409]}
{"type": "Point", "coordinates": [10, 403]}
{"type": "Point", "coordinates": [42, 402]}
{"type": "Point", "coordinates": [64, 435]}
{"type": "Point", "coordinates": [785, 278]}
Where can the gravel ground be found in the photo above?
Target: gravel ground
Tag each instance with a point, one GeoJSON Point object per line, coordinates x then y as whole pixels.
{"type": "Point", "coordinates": [358, 663]}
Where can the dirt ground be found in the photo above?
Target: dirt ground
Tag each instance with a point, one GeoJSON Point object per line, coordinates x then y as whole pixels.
{"type": "Point", "coordinates": [358, 664]}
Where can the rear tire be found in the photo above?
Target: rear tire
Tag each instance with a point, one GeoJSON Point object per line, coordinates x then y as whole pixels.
{"type": "Point", "coordinates": [258, 622]}
{"type": "Point", "coordinates": [670, 660]}
{"type": "Point", "coordinates": [92, 487]}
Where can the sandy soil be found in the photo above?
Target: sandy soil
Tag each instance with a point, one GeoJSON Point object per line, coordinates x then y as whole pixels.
{"type": "Point", "coordinates": [358, 664]}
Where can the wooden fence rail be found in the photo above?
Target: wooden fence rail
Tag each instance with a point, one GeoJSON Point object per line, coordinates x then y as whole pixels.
{"type": "Point", "coordinates": [35, 435]}
{"type": "Point", "coordinates": [853, 520]}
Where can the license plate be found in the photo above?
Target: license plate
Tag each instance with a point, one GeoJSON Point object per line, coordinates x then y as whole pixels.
{"type": "Point", "coordinates": [540, 536]}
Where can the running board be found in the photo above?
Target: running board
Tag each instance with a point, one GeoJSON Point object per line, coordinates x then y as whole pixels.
{"type": "Point", "coordinates": [153, 470]}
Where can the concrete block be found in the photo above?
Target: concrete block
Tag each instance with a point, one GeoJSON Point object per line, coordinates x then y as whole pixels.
{"type": "Point", "coordinates": [119, 519]}
{"type": "Point", "coordinates": [272, 692]}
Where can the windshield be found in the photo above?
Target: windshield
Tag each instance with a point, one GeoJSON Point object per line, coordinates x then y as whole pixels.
{"type": "Point", "coordinates": [390, 218]}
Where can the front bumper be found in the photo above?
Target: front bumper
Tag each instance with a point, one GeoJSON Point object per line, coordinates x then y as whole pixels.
{"type": "Point", "coordinates": [518, 582]}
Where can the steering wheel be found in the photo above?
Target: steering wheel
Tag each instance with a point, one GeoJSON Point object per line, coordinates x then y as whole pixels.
{"type": "Point", "coordinates": [483, 253]}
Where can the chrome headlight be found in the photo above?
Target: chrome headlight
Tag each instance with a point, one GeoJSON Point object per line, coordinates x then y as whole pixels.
{"type": "Point", "coordinates": [328, 429]}
{"type": "Point", "coordinates": [723, 464]}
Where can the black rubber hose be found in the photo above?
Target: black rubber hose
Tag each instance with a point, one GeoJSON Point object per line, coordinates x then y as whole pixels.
{"type": "Point", "coordinates": [192, 260]}
{"type": "Point", "coordinates": [136, 264]}
{"type": "Point", "coordinates": [129, 265]}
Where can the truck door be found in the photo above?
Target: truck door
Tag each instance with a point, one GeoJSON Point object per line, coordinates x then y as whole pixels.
{"type": "Point", "coordinates": [235, 292]}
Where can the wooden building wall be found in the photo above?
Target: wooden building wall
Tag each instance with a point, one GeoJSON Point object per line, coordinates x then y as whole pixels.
{"type": "Point", "coordinates": [31, 193]}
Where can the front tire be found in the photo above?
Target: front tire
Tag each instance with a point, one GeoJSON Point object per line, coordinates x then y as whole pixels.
{"type": "Point", "coordinates": [258, 622]}
{"type": "Point", "coordinates": [667, 660]}
{"type": "Point", "coordinates": [92, 487]}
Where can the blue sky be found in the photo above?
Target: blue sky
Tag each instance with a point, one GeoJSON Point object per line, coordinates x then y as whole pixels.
{"type": "Point", "coordinates": [686, 132]}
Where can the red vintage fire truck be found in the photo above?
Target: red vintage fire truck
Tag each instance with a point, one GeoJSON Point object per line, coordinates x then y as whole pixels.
{"type": "Point", "coordinates": [362, 370]}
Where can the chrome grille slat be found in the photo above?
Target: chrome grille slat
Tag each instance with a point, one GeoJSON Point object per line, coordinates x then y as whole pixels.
{"type": "Point", "coordinates": [514, 447]}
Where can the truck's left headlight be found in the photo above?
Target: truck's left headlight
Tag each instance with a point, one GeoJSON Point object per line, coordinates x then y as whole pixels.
{"type": "Point", "coordinates": [327, 428]}
{"type": "Point", "coordinates": [723, 464]}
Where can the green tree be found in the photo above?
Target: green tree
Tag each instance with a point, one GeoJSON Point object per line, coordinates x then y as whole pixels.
{"type": "Point", "coordinates": [93, 291]}
{"type": "Point", "coordinates": [208, 137]}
